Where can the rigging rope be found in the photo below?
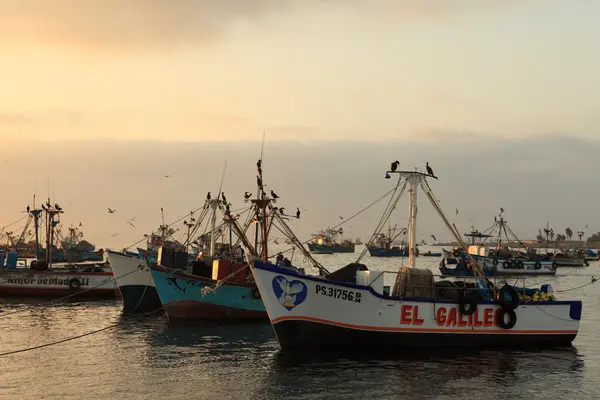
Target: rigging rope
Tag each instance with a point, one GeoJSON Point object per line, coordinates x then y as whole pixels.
{"type": "Point", "coordinates": [347, 219]}
{"type": "Point", "coordinates": [386, 214]}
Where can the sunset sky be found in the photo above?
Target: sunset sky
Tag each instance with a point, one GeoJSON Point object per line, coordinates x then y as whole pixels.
{"type": "Point", "coordinates": [518, 76]}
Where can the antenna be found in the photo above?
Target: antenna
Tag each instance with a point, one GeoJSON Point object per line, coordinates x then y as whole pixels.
{"type": "Point", "coordinates": [262, 147]}
{"type": "Point", "coordinates": [222, 179]}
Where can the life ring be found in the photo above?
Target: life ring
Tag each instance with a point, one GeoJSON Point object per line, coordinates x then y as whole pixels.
{"type": "Point", "coordinates": [467, 304]}
{"type": "Point", "coordinates": [508, 297]}
{"type": "Point", "coordinates": [520, 264]}
{"type": "Point", "coordinates": [256, 294]}
{"type": "Point", "coordinates": [506, 264]}
{"type": "Point", "coordinates": [513, 264]}
{"type": "Point", "coordinates": [537, 265]}
{"type": "Point", "coordinates": [554, 264]}
{"type": "Point", "coordinates": [512, 318]}
{"type": "Point", "coordinates": [495, 262]}
{"type": "Point", "coordinates": [74, 284]}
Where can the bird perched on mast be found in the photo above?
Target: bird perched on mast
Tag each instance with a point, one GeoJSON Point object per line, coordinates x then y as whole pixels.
{"type": "Point", "coordinates": [274, 195]}
{"type": "Point", "coordinates": [223, 197]}
{"type": "Point", "coordinates": [247, 195]}
{"type": "Point", "coordinates": [429, 170]}
{"type": "Point", "coordinates": [208, 196]}
{"type": "Point", "coordinates": [297, 212]}
{"type": "Point", "coordinates": [395, 165]}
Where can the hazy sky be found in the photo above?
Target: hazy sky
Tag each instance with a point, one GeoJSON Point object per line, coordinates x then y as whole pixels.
{"type": "Point", "coordinates": [487, 91]}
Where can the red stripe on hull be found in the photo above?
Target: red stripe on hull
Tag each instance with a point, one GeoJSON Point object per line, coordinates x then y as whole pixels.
{"type": "Point", "coordinates": [206, 311]}
{"type": "Point", "coordinates": [36, 292]}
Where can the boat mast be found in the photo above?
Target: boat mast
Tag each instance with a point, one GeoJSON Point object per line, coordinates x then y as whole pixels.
{"type": "Point", "coordinates": [213, 221]}
{"type": "Point", "coordinates": [412, 225]}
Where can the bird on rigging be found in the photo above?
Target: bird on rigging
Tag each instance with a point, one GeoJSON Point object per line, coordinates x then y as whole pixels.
{"type": "Point", "coordinates": [247, 195]}
{"type": "Point", "coordinates": [57, 207]}
{"type": "Point", "coordinates": [297, 212]}
{"type": "Point", "coordinates": [395, 165]}
{"type": "Point", "coordinates": [274, 195]}
{"type": "Point", "coordinates": [28, 209]}
{"type": "Point", "coordinates": [223, 197]}
{"type": "Point", "coordinates": [429, 170]}
{"type": "Point", "coordinates": [501, 210]}
{"type": "Point", "coordinates": [281, 210]}
{"type": "Point", "coordinates": [433, 237]}
{"type": "Point", "coordinates": [208, 196]}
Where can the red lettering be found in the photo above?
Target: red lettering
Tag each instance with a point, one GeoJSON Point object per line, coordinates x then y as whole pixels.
{"type": "Point", "coordinates": [476, 321]}
{"type": "Point", "coordinates": [470, 320]}
{"type": "Point", "coordinates": [440, 316]}
{"type": "Point", "coordinates": [416, 320]}
{"type": "Point", "coordinates": [496, 316]}
{"type": "Point", "coordinates": [405, 315]}
{"type": "Point", "coordinates": [461, 322]}
{"type": "Point", "coordinates": [488, 315]}
{"type": "Point", "coordinates": [451, 317]}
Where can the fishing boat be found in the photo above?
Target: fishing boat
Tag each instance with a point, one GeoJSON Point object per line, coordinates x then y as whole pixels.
{"type": "Point", "coordinates": [384, 245]}
{"type": "Point", "coordinates": [134, 282]}
{"type": "Point", "coordinates": [351, 307]}
{"type": "Point", "coordinates": [326, 242]}
{"type": "Point", "coordinates": [500, 260]}
{"type": "Point", "coordinates": [43, 278]}
{"type": "Point", "coordinates": [220, 286]}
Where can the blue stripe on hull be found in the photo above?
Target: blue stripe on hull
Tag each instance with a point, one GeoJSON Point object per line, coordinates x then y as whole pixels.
{"type": "Point", "coordinates": [140, 299]}
{"type": "Point", "coordinates": [179, 291]}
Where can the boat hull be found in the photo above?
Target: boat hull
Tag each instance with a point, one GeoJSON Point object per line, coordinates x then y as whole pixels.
{"type": "Point", "coordinates": [182, 297]}
{"type": "Point", "coordinates": [27, 283]}
{"type": "Point", "coordinates": [323, 313]}
{"type": "Point", "coordinates": [307, 334]}
{"type": "Point", "coordinates": [321, 249]}
{"type": "Point", "coordinates": [135, 283]}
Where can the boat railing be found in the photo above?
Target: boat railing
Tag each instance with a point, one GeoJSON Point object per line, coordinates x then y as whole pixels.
{"type": "Point", "coordinates": [385, 281]}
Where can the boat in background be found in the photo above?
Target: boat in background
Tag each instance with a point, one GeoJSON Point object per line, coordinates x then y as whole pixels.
{"type": "Point", "coordinates": [42, 278]}
{"type": "Point", "coordinates": [325, 242]}
{"type": "Point", "coordinates": [351, 307]}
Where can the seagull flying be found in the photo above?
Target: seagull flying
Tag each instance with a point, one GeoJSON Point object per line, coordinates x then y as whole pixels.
{"type": "Point", "coordinates": [111, 211]}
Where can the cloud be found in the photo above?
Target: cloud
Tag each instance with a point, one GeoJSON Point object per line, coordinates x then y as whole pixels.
{"type": "Point", "coordinates": [153, 25]}
{"type": "Point", "coordinates": [117, 24]}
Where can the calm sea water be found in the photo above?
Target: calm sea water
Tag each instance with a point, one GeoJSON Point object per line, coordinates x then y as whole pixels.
{"type": "Point", "coordinates": [146, 358]}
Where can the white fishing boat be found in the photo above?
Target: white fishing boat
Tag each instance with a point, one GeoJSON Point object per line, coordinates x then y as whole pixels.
{"type": "Point", "coordinates": [42, 278]}
{"type": "Point", "coordinates": [353, 308]}
{"type": "Point", "coordinates": [134, 282]}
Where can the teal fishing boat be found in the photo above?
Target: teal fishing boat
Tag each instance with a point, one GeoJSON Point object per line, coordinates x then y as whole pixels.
{"type": "Point", "coordinates": [219, 285]}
